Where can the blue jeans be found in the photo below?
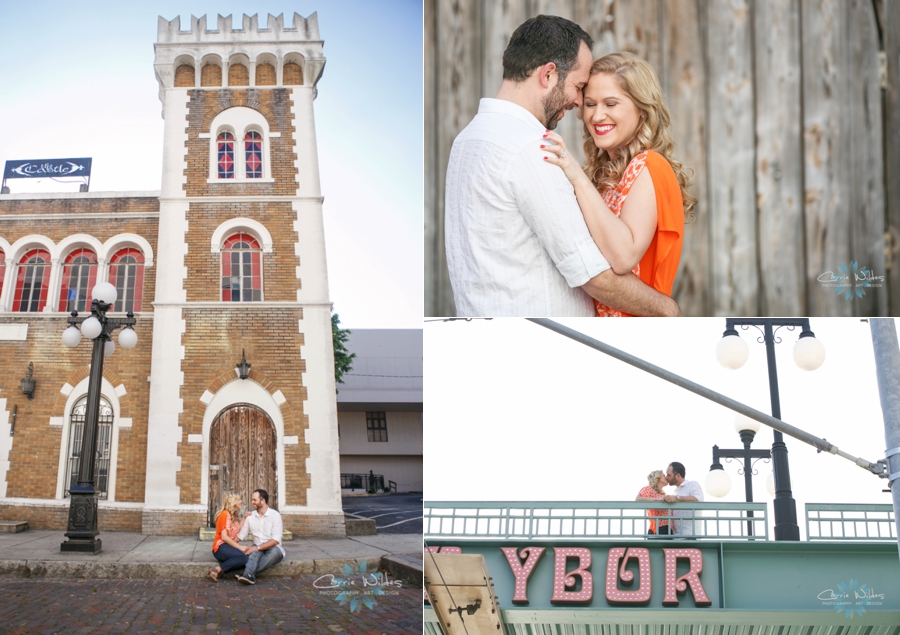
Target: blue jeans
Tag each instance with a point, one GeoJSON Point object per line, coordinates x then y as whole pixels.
{"type": "Point", "coordinates": [230, 558]}
{"type": "Point", "coordinates": [259, 561]}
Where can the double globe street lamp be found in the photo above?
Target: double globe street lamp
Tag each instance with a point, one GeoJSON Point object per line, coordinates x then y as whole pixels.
{"type": "Point", "coordinates": [732, 352]}
{"type": "Point", "coordinates": [82, 527]}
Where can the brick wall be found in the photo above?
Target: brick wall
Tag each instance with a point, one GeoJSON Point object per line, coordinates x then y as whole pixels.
{"type": "Point", "coordinates": [213, 341]}
{"type": "Point", "coordinates": [238, 75]}
{"type": "Point", "coordinates": [184, 76]}
{"type": "Point", "coordinates": [265, 75]}
{"type": "Point", "coordinates": [275, 105]}
{"type": "Point", "coordinates": [34, 457]}
{"type": "Point", "coordinates": [330, 525]}
{"type": "Point", "coordinates": [292, 75]}
{"type": "Point", "coordinates": [280, 281]}
{"type": "Point", "coordinates": [56, 518]}
{"type": "Point", "coordinates": [211, 75]}
{"type": "Point", "coordinates": [171, 523]}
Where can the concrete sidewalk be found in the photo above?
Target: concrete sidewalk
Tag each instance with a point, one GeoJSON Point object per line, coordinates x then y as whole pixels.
{"type": "Point", "coordinates": [36, 554]}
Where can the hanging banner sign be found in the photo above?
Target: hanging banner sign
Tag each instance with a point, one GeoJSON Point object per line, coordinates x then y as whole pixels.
{"type": "Point", "coordinates": [44, 168]}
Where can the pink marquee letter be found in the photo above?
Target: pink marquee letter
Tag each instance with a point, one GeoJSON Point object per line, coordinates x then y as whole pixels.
{"type": "Point", "coordinates": [563, 579]}
{"type": "Point", "coordinates": [522, 572]}
{"type": "Point", "coordinates": [613, 594]}
{"type": "Point", "coordinates": [692, 577]}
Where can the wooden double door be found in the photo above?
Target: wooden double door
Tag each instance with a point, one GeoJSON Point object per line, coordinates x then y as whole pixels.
{"type": "Point", "coordinates": [241, 457]}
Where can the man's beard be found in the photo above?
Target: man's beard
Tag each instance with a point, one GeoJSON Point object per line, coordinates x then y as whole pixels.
{"type": "Point", "coordinates": [554, 104]}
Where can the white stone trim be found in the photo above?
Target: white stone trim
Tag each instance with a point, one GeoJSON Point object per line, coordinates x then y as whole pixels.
{"type": "Point", "coordinates": [57, 422]}
{"type": "Point", "coordinates": [279, 397]}
{"type": "Point", "coordinates": [291, 440]}
{"type": "Point", "coordinates": [31, 241]}
{"type": "Point", "coordinates": [77, 392]}
{"type": "Point", "coordinates": [13, 332]}
{"type": "Point", "coordinates": [75, 241]}
{"type": "Point", "coordinates": [67, 389]}
{"type": "Point", "coordinates": [206, 397]}
{"type": "Point", "coordinates": [254, 227]}
{"type": "Point", "coordinates": [195, 438]}
{"type": "Point", "coordinates": [6, 443]}
{"type": "Point", "coordinates": [239, 120]}
{"type": "Point", "coordinates": [246, 199]}
{"type": "Point", "coordinates": [120, 390]}
{"type": "Point", "coordinates": [125, 422]}
{"type": "Point", "coordinates": [239, 391]}
{"type": "Point", "coordinates": [120, 241]}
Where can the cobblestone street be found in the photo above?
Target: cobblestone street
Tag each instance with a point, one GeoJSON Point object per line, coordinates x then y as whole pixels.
{"type": "Point", "coordinates": [275, 606]}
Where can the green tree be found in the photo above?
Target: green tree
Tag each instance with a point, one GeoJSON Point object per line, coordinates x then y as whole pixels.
{"type": "Point", "coordinates": [343, 359]}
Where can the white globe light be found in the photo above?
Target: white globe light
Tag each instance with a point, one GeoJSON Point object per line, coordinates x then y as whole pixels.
{"type": "Point", "coordinates": [71, 337]}
{"type": "Point", "coordinates": [105, 292]}
{"type": "Point", "coordinates": [809, 353]}
{"type": "Point", "coordinates": [718, 483]}
{"type": "Point", "coordinates": [732, 352]}
{"type": "Point", "coordinates": [109, 348]}
{"type": "Point", "coordinates": [91, 327]}
{"type": "Point", "coordinates": [128, 338]}
{"type": "Point", "coordinates": [770, 484]}
{"type": "Point", "coordinates": [743, 422]}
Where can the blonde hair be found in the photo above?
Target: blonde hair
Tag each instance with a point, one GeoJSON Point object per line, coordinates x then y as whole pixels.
{"type": "Point", "coordinates": [230, 505]}
{"type": "Point", "coordinates": [653, 478]}
{"type": "Point", "coordinates": [638, 80]}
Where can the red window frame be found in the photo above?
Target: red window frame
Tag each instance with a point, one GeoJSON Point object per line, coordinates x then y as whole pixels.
{"type": "Point", "coordinates": [241, 269]}
{"type": "Point", "coordinates": [126, 274]}
{"type": "Point", "coordinates": [78, 280]}
{"type": "Point", "coordinates": [225, 162]}
{"type": "Point", "coordinates": [33, 271]}
{"type": "Point", "coordinates": [253, 154]}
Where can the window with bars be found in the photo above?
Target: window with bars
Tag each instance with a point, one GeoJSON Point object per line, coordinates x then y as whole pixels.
{"type": "Point", "coordinates": [32, 281]}
{"type": "Point", "coordinates": [79, 277]}
{"type": "Point", "coordinates": [241, 269]}
{"type": "Point", "coordinates": [376, 426]}
{"type": "Point", "coordinates": [225, 142]}
{"type": "Point", "coordinates": [253, 153]}
{"type": "Point", "coordinates": [104, 442]}
{"type": "Point", "coordinates": [126, 274]}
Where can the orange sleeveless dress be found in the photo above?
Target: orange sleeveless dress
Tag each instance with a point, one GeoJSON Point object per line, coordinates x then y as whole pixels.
{"type": "Point", "coordinates": [659, 264]}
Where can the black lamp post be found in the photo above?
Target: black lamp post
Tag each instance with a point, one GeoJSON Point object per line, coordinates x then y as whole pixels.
{"type": "Point", "coordinates": [82, 528]}
{"type": "Point", "coordinates": [717, 481]}
{"type": "Point", "coordinates": [809, 354]}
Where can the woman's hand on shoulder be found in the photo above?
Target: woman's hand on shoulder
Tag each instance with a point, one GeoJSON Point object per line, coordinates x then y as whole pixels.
{"type": "Point", "coordinates": [560, 156]}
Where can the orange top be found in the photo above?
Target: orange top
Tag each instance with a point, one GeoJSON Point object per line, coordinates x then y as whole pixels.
{"type": "Point", "coordinates": [659, 264]}
{"type": "Point", "coordinates": [649, 492]}
{"type": "Point", "coordinates": [224, 523]}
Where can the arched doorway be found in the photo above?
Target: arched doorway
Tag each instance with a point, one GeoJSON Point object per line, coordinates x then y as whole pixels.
{"type": "Point", "coordinates": [241, 457]}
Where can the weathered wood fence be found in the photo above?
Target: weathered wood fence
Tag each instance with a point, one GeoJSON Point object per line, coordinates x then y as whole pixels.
{"type": "Point", "coordinates": [788, 111]}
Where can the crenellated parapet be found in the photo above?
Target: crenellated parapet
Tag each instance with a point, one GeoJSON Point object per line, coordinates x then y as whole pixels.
{"type": "Point", "coordinates": [250, 56]}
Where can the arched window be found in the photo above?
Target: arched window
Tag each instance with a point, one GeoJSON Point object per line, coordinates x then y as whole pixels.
{"type": "Point", "coordinates": [79, 277]}
{"type": "Point", "coordinates": [104, 443]}
{"type": "Point", "coordinates": [32, 281]}
{"type": "Point", "coordinates": [241, 269]}
{"type": "Point", "coordinates": [226, 155]}
{"type": "Point", "coordinates": [253, 153]}
{"type": "Point", "coordinates": [126, 274]}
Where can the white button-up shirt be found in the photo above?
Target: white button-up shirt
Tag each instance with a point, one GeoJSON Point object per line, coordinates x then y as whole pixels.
{"type": "Point", "coordinates": [516, 241]}
{"type": "Point", "coordinates": [264, 528]}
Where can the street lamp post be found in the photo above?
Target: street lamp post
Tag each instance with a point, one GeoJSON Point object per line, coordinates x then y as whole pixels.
{"type": "Point", "coordinates": [718, 483]}
{"type": "Point", "coordinates": [82, 527]}
{"type": "Point", "coordinates": [809, 354]}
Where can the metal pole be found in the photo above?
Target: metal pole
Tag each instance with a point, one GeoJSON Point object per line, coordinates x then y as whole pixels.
{"type": "Point", "coordinates": [747, 438]}
{"type": "Point", "coordinates": [82, 530]}
{"type": "Point", "coordinates": [887, 370]}
{"type": "Point", "coordinates": [706, 393]}
{"type": "Point", "coordinates": [785, 507]}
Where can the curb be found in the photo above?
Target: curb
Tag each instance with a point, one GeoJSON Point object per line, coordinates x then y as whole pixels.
{"type": "Point", "coordinates": [407, 568]}
{"type": "Point", "coordinates": [163, 570]}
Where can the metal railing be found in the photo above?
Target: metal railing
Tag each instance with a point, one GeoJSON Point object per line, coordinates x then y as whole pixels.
{"type": "Point", "coordinates": [844, 521]}
{"type": "Point", "coordinates": [362, 481]}
{"type": "Point", "coordinates": [571, 521]}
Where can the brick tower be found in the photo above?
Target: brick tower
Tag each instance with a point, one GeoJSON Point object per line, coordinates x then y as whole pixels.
{"type": "Point", "coordinates": [241, 272]}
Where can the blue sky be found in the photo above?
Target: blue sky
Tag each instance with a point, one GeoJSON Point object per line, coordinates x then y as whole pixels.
{"type": "Point", "coordinates": [78, 81]}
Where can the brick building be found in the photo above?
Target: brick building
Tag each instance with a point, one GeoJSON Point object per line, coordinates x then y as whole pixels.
{"type": "Point", "coordinates": [228, 258]}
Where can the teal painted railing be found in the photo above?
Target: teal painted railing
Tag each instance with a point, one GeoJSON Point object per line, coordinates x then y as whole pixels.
{"type": "Point", "coordinates": [850, 522]}
{"type": "Point", "coordinates": [571, 521]}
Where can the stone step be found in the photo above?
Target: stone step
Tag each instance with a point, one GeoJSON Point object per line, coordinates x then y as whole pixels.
{"type": "Point", "coordinates": [208, 534]}
{"type": "Point", "coordinates": [13, 526]}
{"type": "Point", "coordinates": [359, 526]}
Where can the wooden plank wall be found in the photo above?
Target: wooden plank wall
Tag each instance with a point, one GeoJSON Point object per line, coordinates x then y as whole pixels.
{"type": "Point", "coordinates": [777, 107]}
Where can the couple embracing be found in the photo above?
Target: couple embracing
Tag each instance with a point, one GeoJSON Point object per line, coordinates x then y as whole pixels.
{"type": "Point", "coordinates": [528, 231]}
{"type": "Point", "coordinates": [268, 531]}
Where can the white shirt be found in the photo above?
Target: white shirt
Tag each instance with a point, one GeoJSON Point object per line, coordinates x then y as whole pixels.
{"type": "Point", "coordinates": [264, 528]}
{"type": "Point", "coordinates": [516, 241]}
{"type": "Point", "coordinates": [687, 488]}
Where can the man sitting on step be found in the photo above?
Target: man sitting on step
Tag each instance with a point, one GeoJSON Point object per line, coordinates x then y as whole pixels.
{"type": "Point", "coordinates": [267, 529]}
